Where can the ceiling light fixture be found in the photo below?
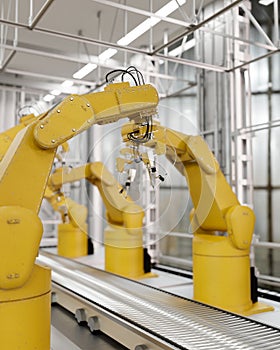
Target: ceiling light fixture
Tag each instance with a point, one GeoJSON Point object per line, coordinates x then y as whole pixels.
{"type": "Point", "coordinates": [85, 70]}
{"type": "Point", "coordinates": [48, 98]}
{"type": "Point", "coordinates": [266, 2]}
{"type": "Point", "coordinates": [105, 55]}
{"type": "Point", "coordinates": [55, 92]}
{"type": "Point", "coordinates": [67, 83]}
{"type": "Point", "coordinates": [135, 33]}
{"type": "Point", "coordinates": [143, 27]}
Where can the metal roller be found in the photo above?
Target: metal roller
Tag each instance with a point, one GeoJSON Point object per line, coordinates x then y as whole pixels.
{"type": "Point", "coordinates": [178, 322]}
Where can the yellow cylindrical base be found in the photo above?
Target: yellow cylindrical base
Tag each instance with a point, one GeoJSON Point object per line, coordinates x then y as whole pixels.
{"type": "Point", "coordinates": [221, 273]}
{"type": "Point", "coordinates": [123, 252]}
{"type": "Point", "coordinates": [25, 313]}
{"type": "Point", "coordinates": [72, 241]}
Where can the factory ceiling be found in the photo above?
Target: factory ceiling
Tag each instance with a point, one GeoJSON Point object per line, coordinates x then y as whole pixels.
{"type": "Point", "coordinates": [45, 42]}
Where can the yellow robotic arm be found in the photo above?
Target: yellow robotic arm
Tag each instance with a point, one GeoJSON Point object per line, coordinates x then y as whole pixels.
{"type": "Point", "coordinates": [8, 136]}
{"type": "Point", "coordinates": [26, 166]}
{"type": "Point", "coordinates": [222, 227]}
{"type": "Point", "coordinates": [121, 210]}
{"type": "Point", "coordinates": [123, 237]}
{"type": "Point", "coordinates": [24, 172]}
{"type": "Point", "coordinates": [68, 209]}
{"type": "Point", "coordinates": [73, 240]}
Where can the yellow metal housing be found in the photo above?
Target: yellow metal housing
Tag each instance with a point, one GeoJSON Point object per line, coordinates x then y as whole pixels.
{"type": "Point", "coordinates": [28, 153]}
{"type": "Point", "coordinates": [123, 252]}
{"type": "Point", "coordinates": [72, 241]}
{"type": "Point", "coordinates": [25, 313]}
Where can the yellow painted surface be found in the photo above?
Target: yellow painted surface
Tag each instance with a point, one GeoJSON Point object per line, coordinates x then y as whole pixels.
{"type": "Point", "coordinates": [221, 273]}
{"type": "Point", "coordinates": [221, 264]}
{"type": "Point", "coordinates": [24, 172]}
{"type": "Point", "coordinates": [72, 241]}
{"type": "Point", "coordinates": [25, 313]}
{"type": "Point", "coordinates": [123, 252]}
{"type": "Point", "coordinates": [20, 234]}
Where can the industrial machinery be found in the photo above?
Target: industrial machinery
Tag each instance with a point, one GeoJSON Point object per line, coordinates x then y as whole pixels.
{"type": "Point", "coordinates": [222, 227]}
{"type": "Point", "coordinates": [72, 231]}
{"type": "Point", "coordinates": [73, 215]}
{"type": "Point", "coordinates": [123, 236]}
{"type": "Point", "coordinates": [24, 173]}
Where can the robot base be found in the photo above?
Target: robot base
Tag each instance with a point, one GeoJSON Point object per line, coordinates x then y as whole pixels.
{"type": "Point", "coordinates": [72, 241]}
{"type": "Point", "coordinates": [222, 275]}
{"type": "Point", "coordinates": [124, 254]}
{"type": "Point", "coordinates": [25, 313]}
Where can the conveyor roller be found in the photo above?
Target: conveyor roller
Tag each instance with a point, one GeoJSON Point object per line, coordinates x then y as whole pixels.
{"type": "Point", "coordinates": [177, 321]}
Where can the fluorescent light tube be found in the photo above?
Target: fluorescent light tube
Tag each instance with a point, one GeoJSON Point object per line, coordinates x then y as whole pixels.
{"type": "Point", "coordinates": [266, 2]}
{"type": "Point", "coordinates": [55, 92]}
{"type": "Point", "coordinates": [105, 55]}
{"type": "Point", "coordinates": [48, 97]}
{"type": "Point", "coordinates": [143, 27]}
{"type": "Point", "coordinates": [85, 70]}
{"type": "Point", "coordinates": [67, 83]}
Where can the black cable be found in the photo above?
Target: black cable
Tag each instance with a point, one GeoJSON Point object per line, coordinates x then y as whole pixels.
{"type": "Point", "coordinates": [123, 71]}
{"type": "Point", "coordinates": [143, 139]}
{"type": "Point", "coordinates": [139, 74]}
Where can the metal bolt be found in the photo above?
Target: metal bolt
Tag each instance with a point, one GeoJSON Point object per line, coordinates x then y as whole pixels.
{"type": "Point", "coordinates": [71, 98]}
{"type": "Point", "coordinates": [13, 221]}
{"type": "Point", "coordinates": [73, 129]}
{"type": "Point", "coordinates": [53, 141]}
{"type": "Point", "coordinates": [88, 105]}
{"type": "Point", "coordinates": [81, 316]}
{"type": "Point", "coordinates": [53, 298]}
{"type": "Point", "coordinates": [42, 126]}
{"type": "Point", "coordinates": [88, 120]}
{"type": "Point", "coordinates": [93, 324]}
{"type": "Point", "coordinates": [58, 111]}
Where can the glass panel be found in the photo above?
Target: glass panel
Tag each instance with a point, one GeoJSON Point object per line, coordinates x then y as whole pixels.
{"type": "Point", "coordinates": [267, 261]}
{"type": "Point", "coordinates": [275, 71]}
{"type": "Point", "coordinates": [260, 209]}
{"type": "Point", "coordinates": [179, 113]}
{"type": "Point", "coordinates": [275, 156]}
{"type": "Point", "coordinates": [259, 109]}
{"type": "Point", "coordinates": [260, 156]}
{"type": "Point", "coordinates": [259, 79]}
{"type": "Point", "coordinates": [275, 101]}
{"type": "Point", "coordinates": [275, 216]}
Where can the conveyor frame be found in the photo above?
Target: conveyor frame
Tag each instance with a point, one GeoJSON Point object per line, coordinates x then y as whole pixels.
{"type": "Point", "coordinates": [159, 320]}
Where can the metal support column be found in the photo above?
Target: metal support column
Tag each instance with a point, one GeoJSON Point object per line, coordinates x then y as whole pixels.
{"type": "Point", "coordinates": [242, 178]}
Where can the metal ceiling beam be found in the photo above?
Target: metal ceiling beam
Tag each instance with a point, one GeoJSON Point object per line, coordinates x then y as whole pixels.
{"type": "Point", "coordinates": [195, 27]}
{"type": "Point", "coordinates": [48, 77]}
{"type": "Point", "coordinates": [141, 12]}
{"type": "Point", "coordinates": [40, 13]}
{"type": "Point", "coordinates": [253, 60]}
{"type": "Point", "coordinates": [235, 38]}
{"type": "Point", "coordinates": [7, 60]}
{"type": "Point", "coordinates": [191, 63]}
{"type": "Point", "coordinates": [118, 47]}
{"type": "Point", "coordinates": [257, 26]}
{"type": "Point", "coordinates": [84, 61]}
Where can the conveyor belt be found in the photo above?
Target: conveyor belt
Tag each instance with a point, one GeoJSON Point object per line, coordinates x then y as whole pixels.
{"type": "Point", "coordinates": [180, 322]}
